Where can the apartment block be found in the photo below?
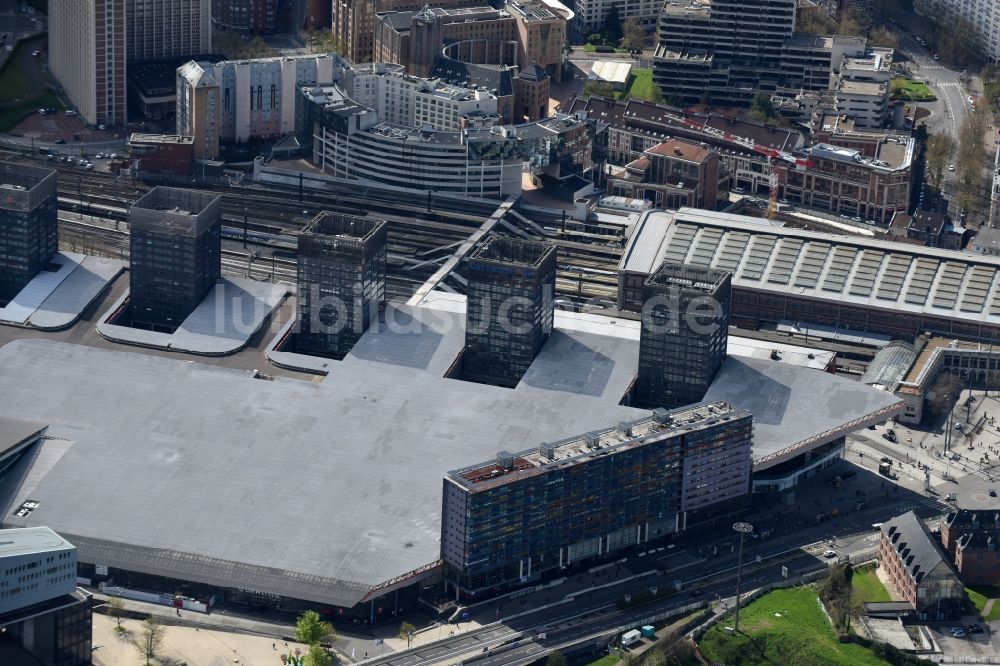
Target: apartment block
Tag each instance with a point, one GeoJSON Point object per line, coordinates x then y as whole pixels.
{"type": "Point", "coordinates": [353, 22]}
{"type": "Point", "coordinates": [984, 15]}
{"type": "Point", "coordinates": [563, 504]}
{"type": "Point", "coordinates": [590, 15]}
{"type": "Point", "coordinates": [509, 309]}
{"type": "Point", "coordinates": [341, 281]}
{"type": "Point", "coordinates": [91, 43]}
{"type": "Point", "coordinates": [87, 54]}
{"type": "Point", "coordinates": [727, 50]}
{"type": "Point", "coordinates": [175, 246]}
{"type": "Point", "coordinates": [846, 182]}
{"type": "Point", "coordinates": [685, 328]}
{"type": "Point", "coordinates": [29, 228]}
{"type": "Point", "coordinates": [158, 29]}
{"type": "Point", "coordinates": [240, 100]}
{"type": "Point", "coordinates": [249, 17]}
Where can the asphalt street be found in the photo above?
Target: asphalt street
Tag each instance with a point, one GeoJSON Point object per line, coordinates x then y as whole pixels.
{"type": "Point", "coordinates": [785, 536]}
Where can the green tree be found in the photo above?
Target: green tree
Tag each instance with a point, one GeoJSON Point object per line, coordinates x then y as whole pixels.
{"type": "Point", "coordinates": [634, 35]}
{"type": "Point", "coordinates": [317, 656]}
{"type": "Point", "coordinates": [938, 152]}
{"type": "Point", "coordinates": [312, 630]}
{"type": "Point", "coordinates": [116, 609]}
{"type": "Point", "coordinates": [884, 38]}
{"type": "Point", "coordinates": [761, 108]}
{"type": "Point", "coordinates": [598, 89]}
{"type": "Point", "coordinates": [853, 22]}
{"type": "Point", "coordinates": [150, 639]}
{"type": "Point", "coordinates": [815, 21]}
{"type": "Point", "coordinates": [556, 658]}
{"type": "Point", "coordinates": [323, 41]}
{"type": "Point", "coordinates": [972, 148]}
{"type": "Point", "coordinates": [406, 631]}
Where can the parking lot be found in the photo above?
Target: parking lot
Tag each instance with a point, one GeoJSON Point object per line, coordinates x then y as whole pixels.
{"type": "Point", "coordinates": [958, 644]}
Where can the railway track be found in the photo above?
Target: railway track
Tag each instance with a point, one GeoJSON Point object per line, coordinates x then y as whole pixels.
{"type": "Point", "coordinates": [419, 241]}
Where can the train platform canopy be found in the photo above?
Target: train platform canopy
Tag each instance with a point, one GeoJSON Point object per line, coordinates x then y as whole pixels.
{"type": "Point", "coordinates": [328, 492]}
{"type": "Point", "coordinates": [898, 278]}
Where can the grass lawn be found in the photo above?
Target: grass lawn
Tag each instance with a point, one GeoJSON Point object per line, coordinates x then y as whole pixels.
{"type": "Point", "coordinates": [642, 84]}
{"type": "Point", "coordinates": [911, 89]}
{"type": "Point", "coordinates": [865, 586]}
{"type": "Point", "coordinates": [783, 627]}
{"type": "Point", "coordinates": [606, 660]}
{"type": "Point", "coordinates": [979, 596]}
{"type": "Point", "coordinates": [13, 81]}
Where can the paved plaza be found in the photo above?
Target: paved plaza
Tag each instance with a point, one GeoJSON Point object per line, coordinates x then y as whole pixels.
{"type": "Point", "coordinates": [186, 645]}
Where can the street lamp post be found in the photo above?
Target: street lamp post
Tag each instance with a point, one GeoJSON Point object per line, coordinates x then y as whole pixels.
{"type": "Point", "coordinates": [743, 529]}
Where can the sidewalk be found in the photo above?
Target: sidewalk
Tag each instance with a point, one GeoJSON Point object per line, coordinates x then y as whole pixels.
{"type": "Point", "coordinates": [216, 620]}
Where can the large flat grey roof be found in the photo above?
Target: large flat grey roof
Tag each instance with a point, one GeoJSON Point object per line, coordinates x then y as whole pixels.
{"type": "Point", "coordinates": [795, 409]}
{"type": "Point", "coordinates": [14, 432]}
{"type": "Point", "coordinates": [317, 491]}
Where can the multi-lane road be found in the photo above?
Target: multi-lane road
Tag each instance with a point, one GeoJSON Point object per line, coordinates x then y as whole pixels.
{"type": "Point", "coordinates": [593, 617]}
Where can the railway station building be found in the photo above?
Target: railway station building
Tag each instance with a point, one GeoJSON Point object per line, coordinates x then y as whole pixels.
{"type": "Point", "coordinates": [800, 280]}
{"type": "Point", "coordinates": [29, 228]}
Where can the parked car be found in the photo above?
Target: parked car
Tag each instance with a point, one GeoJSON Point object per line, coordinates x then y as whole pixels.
{"type": "Point", "coordinates": [828, 553]}
{"type": "Point", "coordinates": [60, 141]}
{"type": "Point", "coordinates": [70, 112]}
{"type": "Point", "coordinates": [951, 167]}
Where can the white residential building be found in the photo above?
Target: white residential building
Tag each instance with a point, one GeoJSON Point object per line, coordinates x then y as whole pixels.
{"type": "Point", "coordinates": [983, 14]}
{"type": "Point", "coordinates": [91, 43]}
{"type": "Point", "coordinates": [591, 14]}
{"type": "Point", "coordinates": [241, 100]}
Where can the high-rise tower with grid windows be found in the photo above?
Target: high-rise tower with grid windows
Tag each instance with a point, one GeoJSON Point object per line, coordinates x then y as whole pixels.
{"type": "Point", "coordinates": [685, 327]}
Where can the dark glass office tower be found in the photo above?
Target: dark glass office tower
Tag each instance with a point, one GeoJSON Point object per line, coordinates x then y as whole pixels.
{"type": "Point", "coordinates": [341, 276]}
{"type": "Point", "coordinates": [175, 247]}
{"type": "Point", "coordinates": [29, 227]}
{"type": "Point", "coordinates": [509, 308]}
{"type": "Point", "coordinates": [685, 325]}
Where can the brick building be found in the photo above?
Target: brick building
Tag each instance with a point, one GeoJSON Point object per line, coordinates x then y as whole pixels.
{"type": "Point", "coordinates": [918, 570]}
{"type": "Point", "coordinates": [970, 537]}
{"type": "Point", "coordinates": [674, 174]}
{"type": "Point", "coordinates": [162, 153]}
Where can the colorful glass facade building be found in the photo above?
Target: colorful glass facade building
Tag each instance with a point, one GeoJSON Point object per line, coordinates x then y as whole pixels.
{"type": "Point", "coordinates": [511, 520]}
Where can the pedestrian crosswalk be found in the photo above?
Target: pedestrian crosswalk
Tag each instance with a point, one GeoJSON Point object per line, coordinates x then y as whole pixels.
{"type": "Point", "coordinates": [933, 67]}
{"type": "Point", "coordinates": [929, 503]}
